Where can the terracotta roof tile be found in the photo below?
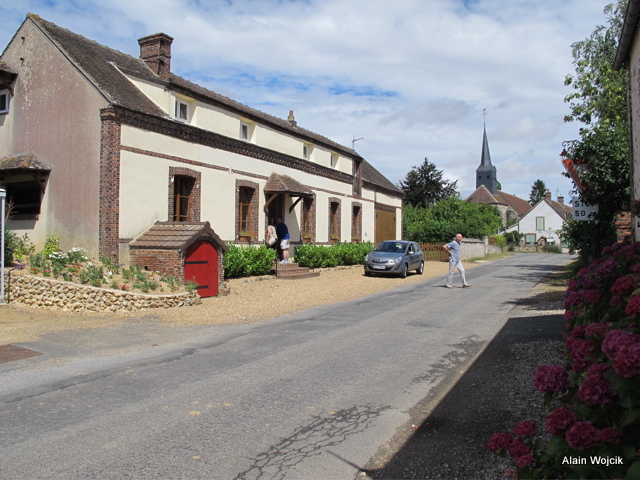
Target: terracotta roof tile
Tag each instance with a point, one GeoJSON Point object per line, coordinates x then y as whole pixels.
{"type": "Point", "coordinates": [176, 236]}
{"type": "Point", "coordinates": [483, 195]}
{"type": "Point", "coordinates": [286, 184]}
{"type": "Point", "coordinates": [23, 162]}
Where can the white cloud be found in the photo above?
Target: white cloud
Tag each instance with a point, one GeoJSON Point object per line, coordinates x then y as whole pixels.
{"type": "Point", "coordinates": [411, 77]}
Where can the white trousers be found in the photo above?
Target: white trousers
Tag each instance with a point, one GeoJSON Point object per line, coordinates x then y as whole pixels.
{"type": "Point", "coordinates": [452, 266]}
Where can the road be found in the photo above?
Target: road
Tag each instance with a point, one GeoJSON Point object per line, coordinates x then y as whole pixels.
{"type": "Point", "coordinates": [308, 395]}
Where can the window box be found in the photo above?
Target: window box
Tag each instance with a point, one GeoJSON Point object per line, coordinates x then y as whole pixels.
{"type": "Point", "coordinates": [245, 236]}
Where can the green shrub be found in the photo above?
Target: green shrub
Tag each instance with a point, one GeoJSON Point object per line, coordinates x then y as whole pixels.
{"type": "Point", "coordinates": [246, 261]}
{"type": "Point", "coordinates": [500, 240]}
{"type": "Point", "coordinates": [513, 238]}
{"type": "Point", "coordinates": [38, 260]}
{"type": "Point", "coordinates": [10, 244]}
{"type": "Point", "coordinates": [318, 256]}
{"type": "Point", "coordinates": [52, 243]}
{"type": "Point", "coordinates": [552, 249]}
{"type": "Point", "coordinates": [77, 255]}
{"type": "Point", "coordinates": [22, 247]}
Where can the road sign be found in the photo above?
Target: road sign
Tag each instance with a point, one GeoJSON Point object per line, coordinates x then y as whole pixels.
{"type": "Point", "coordinates": [583, 210]}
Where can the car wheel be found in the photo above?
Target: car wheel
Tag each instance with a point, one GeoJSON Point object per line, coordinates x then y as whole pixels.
{"type": "Point", "coordinates": [420, 269]}
{"type": "Point", "coordinates": [405, 269]}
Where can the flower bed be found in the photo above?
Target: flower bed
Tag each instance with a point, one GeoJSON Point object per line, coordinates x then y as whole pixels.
{"type": "Point", "coordinates": [73, 282]}
{"type": "Point", "coordinates": [69, 296]}
{"type": "Point", "coordinates": [593, 424]}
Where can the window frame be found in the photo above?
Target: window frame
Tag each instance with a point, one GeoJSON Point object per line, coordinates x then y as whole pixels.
{"type": "Point", "coordinates": [540, 221]}
{"type": "Point", "coordinates": [245, 216]}
{"type": "Point", "coordinates": [36, 205]}
{"type": "Point", "coordinates": [306, 217]}
{"type": "Point", "coordinates": [7, 94]}
{"type": "Point", "coordinates": [178, 213]}
{"type": "Point", "coordinates": [179, 103]}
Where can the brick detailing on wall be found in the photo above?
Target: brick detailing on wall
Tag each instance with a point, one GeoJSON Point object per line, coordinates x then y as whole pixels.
{"type": "Point", "coordinates": [254, 208]}
{"type": "Point", "coordinates": [155, 50]}
{"type": "Point", "coordinates": [195, 163]}
{"type": "Point", "coordinates": [165, 262]}
{"type": "Point", "coordinates": [109, 216]}
{"type": "Point", "coordinates": [356, 221]}
{"type": "Point", "coordinates": [624, 227]}
{"type": "Point", "coordinates": [195, 200]}
{"type": "Point", "coordinates": [45, 292]}
{"type": "Point", "coordinates": [335, 212]}
{"type": "Point", "coordinates": [199, 136]}
{"type": "Point", "coordinates": [310, 205]}
{"type": "Point", "coordinates": [357, 179]}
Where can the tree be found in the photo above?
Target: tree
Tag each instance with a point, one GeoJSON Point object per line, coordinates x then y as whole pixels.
{"type": "Point", "coordinates": [424, 185]}
{"type": "Point", "coordinates": [600, 92]}
{"type": "Point", "coordinates": [441, 221]}
{"type": "Point", "coordinates": [600, 102]}
{"type": "Point", "coordinates": [538, 189]}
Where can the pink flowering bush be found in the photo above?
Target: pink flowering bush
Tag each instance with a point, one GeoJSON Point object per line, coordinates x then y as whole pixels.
{"type": "Point", "coordinates": [593, 400]}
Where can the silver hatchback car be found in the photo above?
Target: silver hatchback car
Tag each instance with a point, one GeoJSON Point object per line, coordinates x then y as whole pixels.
{"type": "Point", "coordinates": [395, 257]}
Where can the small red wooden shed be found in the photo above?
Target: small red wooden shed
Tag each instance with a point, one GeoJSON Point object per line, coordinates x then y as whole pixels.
{"type": "Point", "coordinates": [187, 250]}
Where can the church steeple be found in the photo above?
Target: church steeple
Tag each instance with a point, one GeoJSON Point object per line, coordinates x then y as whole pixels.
{"type": "Point", "coordinates": [486, 174]}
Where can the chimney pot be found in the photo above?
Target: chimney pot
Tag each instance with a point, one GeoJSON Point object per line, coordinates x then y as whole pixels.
{"type": "Point", "coordinates": [291, 119]}
{"type": "Point", "coordinates": [155, 50]}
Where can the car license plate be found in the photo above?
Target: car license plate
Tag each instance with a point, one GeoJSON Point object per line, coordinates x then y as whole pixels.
{"type": "Point", "coordinates": [379, 267]}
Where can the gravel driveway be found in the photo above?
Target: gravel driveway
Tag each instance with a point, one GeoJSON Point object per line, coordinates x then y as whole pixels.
{"type": "Point", "coordinates": [251, 300]}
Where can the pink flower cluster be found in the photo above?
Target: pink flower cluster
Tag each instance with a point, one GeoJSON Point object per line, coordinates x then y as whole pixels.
{"type": "Point", "coordinates": [623, 347]}
{"type": "Point", "coordinates": [551, 379]}
{"type": "Point", "coordinates": [582, 435]}
{"type": "Point", "coordinates": [596, 389]}
{"type": "Point", "coordinates": [623, 285]}
{"type": "Point", "coordinates": [517, 448]}
{"type": "Point", "coordinates": [560, 420]}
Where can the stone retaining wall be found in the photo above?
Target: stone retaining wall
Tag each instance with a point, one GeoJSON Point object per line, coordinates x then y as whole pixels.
{"type": "Point", "coordinates": [45, 292]}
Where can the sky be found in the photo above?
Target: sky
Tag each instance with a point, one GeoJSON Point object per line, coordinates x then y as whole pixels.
{"type": "Point", "coordinates": [399, 81]}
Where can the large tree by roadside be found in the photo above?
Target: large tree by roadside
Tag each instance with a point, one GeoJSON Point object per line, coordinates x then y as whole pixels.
{"type": "Point", "coordinates": [600, 102]}
{"type": "Point", "coordinates": [538, 189]}
{"type": "Point", "coordinates": [424, 185]}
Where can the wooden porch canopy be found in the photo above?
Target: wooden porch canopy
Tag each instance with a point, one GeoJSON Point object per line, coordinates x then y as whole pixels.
{"type": "Point", "coordinates": [29, 164]}
{"type": "Point", "coordinates": [284, 184]}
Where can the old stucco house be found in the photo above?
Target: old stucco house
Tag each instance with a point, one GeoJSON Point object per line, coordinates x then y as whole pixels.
{"type": "Point", "coordinates": [628, 55]}
{"type": "Point", "coordinates": [543, 221]}
{"type": "Point", "coordinates": [102, 147]}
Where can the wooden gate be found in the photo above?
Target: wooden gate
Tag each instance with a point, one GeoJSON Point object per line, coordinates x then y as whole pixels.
{"type": "Point", "coordinates": [201, 266]}
{"type": "Point", "coordinates": [385, 224]}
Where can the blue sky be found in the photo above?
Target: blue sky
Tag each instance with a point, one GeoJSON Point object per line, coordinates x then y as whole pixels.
{"type": "Point", "coordinates": [410, 78]}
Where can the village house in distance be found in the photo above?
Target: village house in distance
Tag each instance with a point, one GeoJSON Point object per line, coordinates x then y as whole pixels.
{"type": "Point", "coordinates": [127, 160]}
{"type": "Point", "coordinates": [538, 223]}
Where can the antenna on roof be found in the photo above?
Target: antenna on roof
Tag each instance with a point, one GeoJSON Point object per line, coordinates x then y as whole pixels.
{"type": "Point", "coordinates": [353, 142]}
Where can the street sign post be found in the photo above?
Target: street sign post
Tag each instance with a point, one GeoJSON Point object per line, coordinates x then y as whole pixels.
{"type": "Point", "coordinates": [582, 210]}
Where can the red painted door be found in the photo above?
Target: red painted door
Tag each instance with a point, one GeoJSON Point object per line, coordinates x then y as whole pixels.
{"type": "Point", "coordinates": [201, 266]}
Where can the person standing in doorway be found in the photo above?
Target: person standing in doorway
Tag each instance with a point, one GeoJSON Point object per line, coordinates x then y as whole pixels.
{"type": "Point", "coordinates": [454, 261]}
{"type": "Point", "coordinates": [283, 235]}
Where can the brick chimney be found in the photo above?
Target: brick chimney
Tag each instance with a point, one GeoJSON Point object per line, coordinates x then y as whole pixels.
{"type": "Point", "coordinates": [291, 119]}
{"type": "Point", "coordinates": [547, 195]}
{"type": "Point", "coordinates": [155, 50]}
{"type": "Point", "coordinates": [560, 199]}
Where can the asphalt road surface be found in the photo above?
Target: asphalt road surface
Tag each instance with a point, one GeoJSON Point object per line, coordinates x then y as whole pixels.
{"type": "Point", "coordinates": [311, 395]}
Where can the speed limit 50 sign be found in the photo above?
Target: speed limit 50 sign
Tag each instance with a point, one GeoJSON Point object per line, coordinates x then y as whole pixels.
{"type": "Point", "coordinates": [583, 210]}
